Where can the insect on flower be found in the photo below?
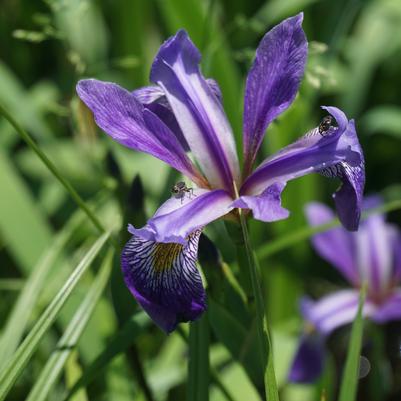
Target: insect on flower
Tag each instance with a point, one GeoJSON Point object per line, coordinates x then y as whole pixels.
{"type": "Point", "coordinates": [180, 189]}
{"type": "Point", "coordinates": [180, 120]}
{"type": "Point", "coordinates": [326, 123]}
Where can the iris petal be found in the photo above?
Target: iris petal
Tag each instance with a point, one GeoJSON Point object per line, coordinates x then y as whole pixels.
{"type": "Point", "coordinates": [177, 218]}
{"type": "Point", "coordinates": [335, 153]}
{"type": "Point", "coordinates": [121, 116]}
{"type": "Point", "coordinates": [164, 279]}
{"type": "Point", "coordinates": [308, 362]}
{"type": "Point", "coordinates": [336, 245]}
{"type": "Point", "coordinates": [199, 113]}
{"type": "Point", "coordinates": [273, 81]}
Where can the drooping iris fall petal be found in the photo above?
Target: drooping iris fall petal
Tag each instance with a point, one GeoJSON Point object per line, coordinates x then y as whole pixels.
{"type": "Point", "coordinates": [164, 279]}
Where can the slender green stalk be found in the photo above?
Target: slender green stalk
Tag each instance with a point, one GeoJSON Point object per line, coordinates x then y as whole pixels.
{"type": "Point", "coordinates": [265, 345]}
{"type": "Point", "coordinates": [349, 382]}
{"type": "Point", "coordinates": [214, 375]}
{"type": "Point", "coordinates": [49, 164]}
{"type": "Point", "coordinates": [198, 364]}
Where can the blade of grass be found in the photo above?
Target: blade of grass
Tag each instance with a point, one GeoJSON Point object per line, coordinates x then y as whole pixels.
{"type": "Point", "coordinates": [198, 364]}
{"type": "Point", "coordinates": [73, 371]}
{"type": "Point", "coordinates": [349, 382]}
{"type": "Point", "coordinates": [120, 342]}
{"type": "Point", "coordinates": [69, 340]}
{"type": "Point", "coordinates": [49, 164]}
{"type": "Point", "coordinates": [18, 210]}
{"type": "Point", "coordinates": [22, 309]}
{"type": "Point", "coordinates": [15, 366]}
{"type": "Point", "coordinates": [306, 232]}
{"type": "Point", "coordinates": [213, 373]}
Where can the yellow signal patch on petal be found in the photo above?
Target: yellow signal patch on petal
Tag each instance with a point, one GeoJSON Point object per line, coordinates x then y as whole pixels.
{"type": "Point", "coordinates": [164, 255]}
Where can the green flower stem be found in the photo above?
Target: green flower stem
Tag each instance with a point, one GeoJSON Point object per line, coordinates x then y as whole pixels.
{"type": "Point", "coordinates": [214, 375]}
{"type": "Point", "coordinates": [265, 345]}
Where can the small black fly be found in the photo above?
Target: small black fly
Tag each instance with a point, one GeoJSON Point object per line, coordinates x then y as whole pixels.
{"type": "Point", "coordinates": [326, 123]}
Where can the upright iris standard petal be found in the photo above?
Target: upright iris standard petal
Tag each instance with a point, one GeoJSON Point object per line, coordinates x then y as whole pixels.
{"type": "Point", "coordinates": [336, 245]}
{"type": "Point", "coordinates": [308, 362]}
{"type": "Point", "coordinates": [177, 218]}
{"type": "Point", "coordinates": [375, 257]}
{"type": "Point", "coordinates": [273, 81]}
{"type": "Point", "coordinates": [315, 152]}
{"type": "Point", "coordinates": [121, 116]}
{"type": "Point", "coordinates": [154, 99]}
{"type": "Point", "coordinates": [198, 111]}
{"type": "Point", "coordinates": [164, 279]}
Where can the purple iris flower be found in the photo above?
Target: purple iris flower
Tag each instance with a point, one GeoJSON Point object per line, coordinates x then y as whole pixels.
{"type": "Point", "coordinates": [181, 121]}
{"type": "Point", "coordinates": [371, 255]}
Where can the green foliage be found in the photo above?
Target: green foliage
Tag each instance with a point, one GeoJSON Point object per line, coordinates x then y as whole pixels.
{"type": "Point", "coordinates": [66, 335]}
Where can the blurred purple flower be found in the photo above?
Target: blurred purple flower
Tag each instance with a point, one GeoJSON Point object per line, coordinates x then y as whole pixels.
{"type": "Point", "coordinates": [183, 112]}
{"type": "Point", "coordinates": [373, 254]}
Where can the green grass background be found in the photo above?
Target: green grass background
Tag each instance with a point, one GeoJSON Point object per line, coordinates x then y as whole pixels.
{"type": "Point", "coordinates": [45, 48]}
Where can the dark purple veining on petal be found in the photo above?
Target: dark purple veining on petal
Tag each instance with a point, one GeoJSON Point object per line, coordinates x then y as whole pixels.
{"type": "Point", "coordinates": [164, 280]}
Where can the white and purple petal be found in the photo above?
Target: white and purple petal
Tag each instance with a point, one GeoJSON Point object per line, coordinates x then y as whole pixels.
{"type": "Point", "coordinates": [154, 99]}
{"type": "Point", "coordinates": [164, 279]}
{"type": "Point", "coordinates": [308, 362]}
{"type": "Point", "coordinates": [266, 206]}
{"type": "Point", "coordinates": [375, 256]}
{"type": "Point", "coordinates": [177, 218]}
{"type": "Point", "coordinates": [390, 309]}
{"type": "Point", "coordinates": [198, 111]}
{"type": "Point", "coordinates": [336, 245]}
{"type": "Point", "coordinates": [334, 310]}
{"type": "Point", "coordinates": [336, 149]}
{"type": "Point", "coordinates": [120, 115]}
{"type": "Point", "coordinates": [273, 81]}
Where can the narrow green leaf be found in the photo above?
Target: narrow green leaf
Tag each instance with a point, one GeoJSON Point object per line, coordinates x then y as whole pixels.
{"type": "Point", "coordinates": [73, 371]}
{"type": "Point", "coordinates": [69, 340]}
{"type": "Point", "coordinates": [22, 309]}
{"type": "Point", "coordinates": [117, 345]}
{"type": "Point", "coordinates": [349, 382]}
{"type": "Point", "coordinates": [198, 365]}
{"type": "Point", "coordinates": [239, 340]}
{"type": "Point", "coordinates": [14, 368]}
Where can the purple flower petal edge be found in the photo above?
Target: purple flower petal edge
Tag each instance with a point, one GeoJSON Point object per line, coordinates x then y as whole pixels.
{"type": "Point", "coordinates": [164, 280]}
{"type": "Point", "coordinates": [273, 81]}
